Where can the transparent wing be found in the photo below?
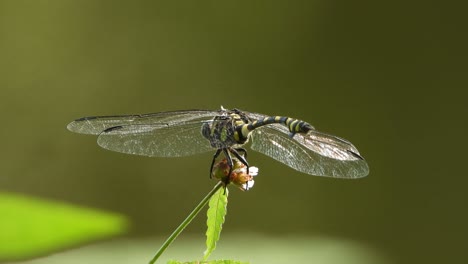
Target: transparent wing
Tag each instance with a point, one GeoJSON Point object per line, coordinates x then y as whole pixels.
{"type": "Point", "coordinates": [94, 125]}
{"type": "Point", "coordinates": [254, 116]}
{"type": "Point", "coordinates": [183, 139]}
{"type": "Point", "coordinates": [313, 153]}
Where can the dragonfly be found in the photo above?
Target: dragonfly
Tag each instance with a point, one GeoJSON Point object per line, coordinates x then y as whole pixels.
{"type": "Point", "coordinates": [290, 141]}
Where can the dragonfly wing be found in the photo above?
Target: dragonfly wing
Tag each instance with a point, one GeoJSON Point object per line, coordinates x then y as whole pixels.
{"type": "Point", "coordinates": [94, 125]}
{"type": "Point", "coordinates": [313, 153]}
{"type": "Point", "coordinates": [183, 139]}
{"type": "Point", "coordinates": [254, 116]}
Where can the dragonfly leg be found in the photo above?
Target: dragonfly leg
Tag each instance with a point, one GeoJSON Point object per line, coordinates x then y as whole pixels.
{"type": "Point", "coordinates": [218, 151]}
{"type": "Point", "coordinates": [229, 162]}
{"type": "Point", "coordinates": [243, 150]}
{"type": "Point", "coordinates": [241, 158]}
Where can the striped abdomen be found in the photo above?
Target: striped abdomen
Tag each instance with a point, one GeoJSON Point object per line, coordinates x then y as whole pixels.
{"type": "Point", "coordinates": [294, 125]}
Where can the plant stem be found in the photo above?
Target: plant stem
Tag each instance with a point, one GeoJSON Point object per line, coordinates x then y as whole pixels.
{"type": "Point", "coordinates": [185, 223]}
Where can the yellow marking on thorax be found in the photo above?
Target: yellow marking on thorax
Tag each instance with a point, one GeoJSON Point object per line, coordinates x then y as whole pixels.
{"type": "Point", "coordinates": [238, 123]}
{"type": "Point", "coordinates": [223, 134]}
{"type": "Point", "coordinates": [245, 131]}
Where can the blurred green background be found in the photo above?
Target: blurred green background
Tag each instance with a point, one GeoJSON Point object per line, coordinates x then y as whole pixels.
{"type": "Point", "coordinates": [390, 77]}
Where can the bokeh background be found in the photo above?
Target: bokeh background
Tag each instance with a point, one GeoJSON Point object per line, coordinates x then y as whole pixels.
{"type": "Point", "coordinates": [390, 77]}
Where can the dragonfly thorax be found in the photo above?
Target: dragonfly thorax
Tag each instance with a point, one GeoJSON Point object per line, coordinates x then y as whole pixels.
{"type": "Point", "coordinates": [224, 131]}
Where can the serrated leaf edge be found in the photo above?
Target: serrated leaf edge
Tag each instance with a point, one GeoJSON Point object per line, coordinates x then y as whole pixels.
{"type": "Point", "coordinates": [217, 205]}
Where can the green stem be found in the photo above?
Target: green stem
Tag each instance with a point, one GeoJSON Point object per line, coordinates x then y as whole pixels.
{"type": "Point", "coordinates": [185, 223]}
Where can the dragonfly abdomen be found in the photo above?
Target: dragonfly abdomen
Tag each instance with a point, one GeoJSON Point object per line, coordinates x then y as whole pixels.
{"type": "Point", "coordinates": [294, 125]}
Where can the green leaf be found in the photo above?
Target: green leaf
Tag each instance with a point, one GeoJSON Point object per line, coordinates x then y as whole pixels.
{"type": "Point", "coordinates": [31, 227]}
{"type": "Point", "coordinates": [216, 213]}
{"type": "Point", "coordinates": [208, 262]}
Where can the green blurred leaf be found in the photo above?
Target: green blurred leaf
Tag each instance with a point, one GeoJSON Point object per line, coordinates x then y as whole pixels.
{"type": "Point", "coordinates": [31, 227]}
{"type": "Point", "coordinates": [215, 213]}
{"type": "Point", "coordinates": [208, 262]}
